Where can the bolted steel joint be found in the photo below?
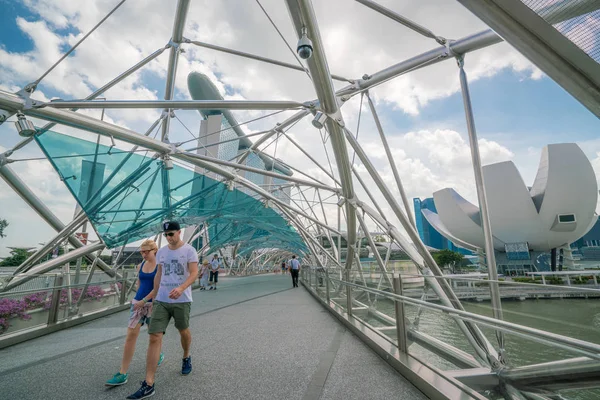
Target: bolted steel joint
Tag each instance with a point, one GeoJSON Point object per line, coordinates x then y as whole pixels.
{"type": "Point", "coordinates": [173, 44]}
{"type": "Point", "coordinates": [460, 60]}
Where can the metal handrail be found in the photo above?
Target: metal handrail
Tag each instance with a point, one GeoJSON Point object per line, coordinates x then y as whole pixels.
{"type": "Point", "coordinates": [506, 283]}
{"type": "Point", "coordinates": [51, 288]}
{"type": "Point", "coordinates": [589, 349]}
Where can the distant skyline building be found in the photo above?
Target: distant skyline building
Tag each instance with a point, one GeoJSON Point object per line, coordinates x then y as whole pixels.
{"type": "Point", "coordinates": [527, 222]}
{"type": "Point", "coordinates": [221, 137]}
{"type": "Point", "coordinates": [588, 246]}
{"type": "Point", "coordinates": [429, 235]}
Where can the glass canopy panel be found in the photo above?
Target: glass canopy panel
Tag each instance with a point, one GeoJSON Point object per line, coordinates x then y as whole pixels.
{"type": "Point", "coordinates": [127, 195]}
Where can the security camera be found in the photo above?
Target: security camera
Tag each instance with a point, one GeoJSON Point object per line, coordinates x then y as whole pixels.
{"type": "Point", "coordinates": [167, 162]}
{"type": "Point", "coordinates": [305, 48]}
{"type": "Point", "coordinates": [25, 127]}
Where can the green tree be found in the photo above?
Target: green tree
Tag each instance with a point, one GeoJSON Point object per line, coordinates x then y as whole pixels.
{"type": "Point", "coordinates": [3, 225]}
{"type": "Point", "coordinates": [379, 238]}
{"type": "Point", "coordinates": [17, 256]}
{"type": "Point", "coordinates": [448, 258]}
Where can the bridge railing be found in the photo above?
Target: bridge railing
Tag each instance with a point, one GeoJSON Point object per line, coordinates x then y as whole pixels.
{"type": "Point", "coordinates": [51, 303]}
{"type": "Point", "coordinates": [424, 331]}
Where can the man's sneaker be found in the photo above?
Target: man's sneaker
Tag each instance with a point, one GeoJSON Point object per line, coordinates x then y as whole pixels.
{"type": "Point", "coordinates": [211, 288]}
{"type": "Point", "coordinates": [215, 288]}
{"type": "Point", "coordinates": [144, 392]}
{"type": "Point", "coordinates": [160, 359]}
{"type": "Point", "coordinates": [186, 366]}
{"type": "Point", "coordinates": [117, 379]}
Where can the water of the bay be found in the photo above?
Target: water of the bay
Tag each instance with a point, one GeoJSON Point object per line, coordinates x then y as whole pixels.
{"type": "Point", "coordinates": [577, 318]}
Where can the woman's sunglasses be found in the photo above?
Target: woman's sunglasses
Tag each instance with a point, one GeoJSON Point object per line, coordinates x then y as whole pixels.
{"type": "Point", "coordinates": [169, 234]}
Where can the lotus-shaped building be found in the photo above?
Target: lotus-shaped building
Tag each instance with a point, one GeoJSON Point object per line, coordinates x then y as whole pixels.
{"type": "Point", "coordinates": [557, 210]}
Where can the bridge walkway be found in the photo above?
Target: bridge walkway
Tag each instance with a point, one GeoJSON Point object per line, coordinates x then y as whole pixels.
{"type": "Point", "coordinates": [254, 338]}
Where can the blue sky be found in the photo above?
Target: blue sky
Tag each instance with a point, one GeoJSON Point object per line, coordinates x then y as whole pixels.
{"type": "Point", "coordinates": [13, 38]}
{"type": "Point", "coordinates": [509, 108]}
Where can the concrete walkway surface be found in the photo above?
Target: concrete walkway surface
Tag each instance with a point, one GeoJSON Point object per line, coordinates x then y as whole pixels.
{"type": "Point", "coordinates": [254, 338]}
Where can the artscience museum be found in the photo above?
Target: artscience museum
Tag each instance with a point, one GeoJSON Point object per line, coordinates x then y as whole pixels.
{"type": "Point", "coordinates": [527, 221]}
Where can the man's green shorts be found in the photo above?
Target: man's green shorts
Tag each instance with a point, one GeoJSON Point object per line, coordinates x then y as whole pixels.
{"type": "Point", "coordinates": [163, 312]}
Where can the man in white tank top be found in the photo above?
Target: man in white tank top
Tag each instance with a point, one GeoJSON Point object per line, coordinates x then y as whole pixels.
{"type": "Point", "coordinates": [177, 271]}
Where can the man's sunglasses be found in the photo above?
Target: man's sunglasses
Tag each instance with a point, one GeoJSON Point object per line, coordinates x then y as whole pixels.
{"type": "Point", "coordinates": [169, 234]}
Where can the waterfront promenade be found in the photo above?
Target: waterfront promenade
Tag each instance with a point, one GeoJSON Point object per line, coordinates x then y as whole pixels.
{"type": "Point", "coordinates": [255, 338]}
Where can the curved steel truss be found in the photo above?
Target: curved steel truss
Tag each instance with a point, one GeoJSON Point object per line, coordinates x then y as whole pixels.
{"type": "Point", "coordinates": [261, 221]}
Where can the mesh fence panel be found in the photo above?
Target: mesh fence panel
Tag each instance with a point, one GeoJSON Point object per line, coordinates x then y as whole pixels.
{"type": "Point", "coordinates": [583, 30]}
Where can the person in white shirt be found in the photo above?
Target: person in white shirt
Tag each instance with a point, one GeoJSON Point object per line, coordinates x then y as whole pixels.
{"type": "Point", "coordinates": [177, 269]}
{"type": "Point", "coordinates": [214, 272]}
{"type": "Point", "coordinates": [294, 270]}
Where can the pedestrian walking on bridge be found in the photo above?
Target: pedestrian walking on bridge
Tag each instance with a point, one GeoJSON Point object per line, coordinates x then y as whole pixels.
{"type": "Point", "coordinates": [140, 311]}
{"type": "Point", "coordinates": [294, 270]}
{"type": "Point", "coordinates": [177, 271]}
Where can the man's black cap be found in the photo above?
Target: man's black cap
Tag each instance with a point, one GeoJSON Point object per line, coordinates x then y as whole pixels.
{"type": "Point", "coordinates": [171, 226]}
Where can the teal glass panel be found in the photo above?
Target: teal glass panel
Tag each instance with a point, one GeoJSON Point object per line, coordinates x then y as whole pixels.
{"type": "Point", "coordinates": [128, 195]}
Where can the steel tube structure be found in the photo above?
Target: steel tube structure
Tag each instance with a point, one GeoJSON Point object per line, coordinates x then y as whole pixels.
{"type": "Point", "coordinates": [176, 40]}
{"type": "Point", "coordinates": [390, 158]}
{"type": "Point", "coordinates": [404, 244]}
{"type": "Point", "coordinates": [482, 198]}
{"type": "Point", "coordinates": [333, 247]}
{"type": "Point", "coordinates": [308, 238]}
{"type": "Point", "coordinates": [560, 58]}
{"type": "Point", "coordinates": [304, 20]}
{"type": "Point", "coordinates": [64, 233]}
{"type": "Point", "coordinates": [319, 229]}
{"type": "Point", "coordinates": [513, 383]}
{"type": "Point", "coordinates": [399, 310]}
{"type": "Point", "coordinates": [125, 74]}
{"type": "Point", "coordinates": [257, 58]}
{"type": "Point", "coordinates": [55, 303]}
{"type": "Point", "coordinates": [311, 158]}
{"type": "Point", "coordinates": [95, 94]}
{"type": "Point", "coordinates": [69, 118]}
{"type": "Point", "coordinates": [380, 262]}
{"type": "Point", "coordinates": [54, 263]}
{"type": "Point", "coordinates": [43, 211]}
{"type": "Point", "coordinates": [442, 289]}
{"type": "Point", "coordinates": [175, 104]}
{"type": "Point", "coordinates": [592, 350]}
{"type": "Point", "coordinates": [288, 122]}
{"type": "Point", "coordinates": [87, 282]}
{"type": "Point", "coordinates": [467, 44]}
{"type": "Point", "coordinates": [113, 82]}
{"type": "Point", "coordinates": [242, 167]}
{"type": "Point", "coordinates": [463, 45]}
{"type": "Point", "coordinates": [403, 20]}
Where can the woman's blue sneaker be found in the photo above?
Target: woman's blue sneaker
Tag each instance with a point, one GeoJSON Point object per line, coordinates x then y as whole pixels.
{"type": "Point", "coordinates": [117, 379]}
{"type": "Point", "coordinates": [143, 392]}
{"type": "Point", "coordinates": [160, 359]}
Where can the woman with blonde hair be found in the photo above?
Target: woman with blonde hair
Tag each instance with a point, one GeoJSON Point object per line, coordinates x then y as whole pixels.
{"type": "Point", "coordinates": [141, 309]}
